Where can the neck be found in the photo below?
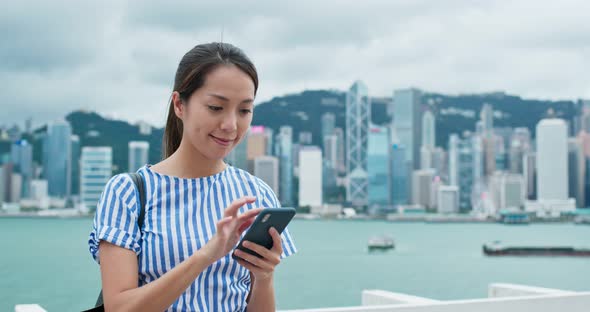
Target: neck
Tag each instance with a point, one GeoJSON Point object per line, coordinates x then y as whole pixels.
{"type": "Point", "coordinates": [188, 162]}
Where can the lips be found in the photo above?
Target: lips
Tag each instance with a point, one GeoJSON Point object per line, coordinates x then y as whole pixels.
{"type": "Point", "coordinates": [222, 141]}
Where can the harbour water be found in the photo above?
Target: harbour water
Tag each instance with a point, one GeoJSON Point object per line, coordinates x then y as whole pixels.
{"type": "Point", "coordinates": [46, 261]}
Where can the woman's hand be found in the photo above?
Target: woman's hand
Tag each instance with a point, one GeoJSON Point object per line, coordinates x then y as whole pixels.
{"type": "Point", "coordinates": [230, 229]}
{"type": "Point", "coordinates": [262, 268]}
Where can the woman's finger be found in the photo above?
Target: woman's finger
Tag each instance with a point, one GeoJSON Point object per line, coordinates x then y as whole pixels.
{"type": "Point", "coordinates": [232, 209]}
{"type": "Point", "coordinates": [249, 214]}
{"type": "Point", "coordinates": [249, 266]}
{"type": "Point", "coordinates": [261, 250]}
{"type": "Point", "coordinates": [258, 262]}
{"type": "Point", "coordinates": [277, 245]}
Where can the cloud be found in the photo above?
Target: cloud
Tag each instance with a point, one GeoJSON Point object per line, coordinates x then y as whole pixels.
{"type": "Point", "coordinates": [119, 58]}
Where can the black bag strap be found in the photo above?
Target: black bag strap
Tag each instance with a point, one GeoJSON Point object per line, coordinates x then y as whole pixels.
{"type": "Point", "coordinates": [139, 185]}
{"type": "Point", "coordinates": [138, 181]}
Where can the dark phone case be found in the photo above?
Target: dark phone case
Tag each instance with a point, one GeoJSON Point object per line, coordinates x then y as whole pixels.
{"type": "Point", "coordinates": [258, 232]}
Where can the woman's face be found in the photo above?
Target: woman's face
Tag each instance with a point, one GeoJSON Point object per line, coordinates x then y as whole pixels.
{"type": "Point", "coordinates": [218, 115]}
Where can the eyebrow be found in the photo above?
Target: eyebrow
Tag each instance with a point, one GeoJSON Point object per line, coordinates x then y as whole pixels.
{"type": "Point", "coordinates": [223, 98]}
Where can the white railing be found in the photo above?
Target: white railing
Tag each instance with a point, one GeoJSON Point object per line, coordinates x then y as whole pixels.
{"type": "Point", "coordinates": [503, 297]}
{"type": "Point", "coordinates": [28, 308]}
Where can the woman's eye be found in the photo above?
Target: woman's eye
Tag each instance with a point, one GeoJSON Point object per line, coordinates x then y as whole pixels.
{"type": "Point", "coordinates": [215, 108]}
{"type": "Point", "coordinates": [246, 111]}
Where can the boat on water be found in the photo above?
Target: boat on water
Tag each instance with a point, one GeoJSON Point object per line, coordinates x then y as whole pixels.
{"type": "Point", "coordinates": [382, 242]}
{"type": "Point", "coordinates": [514, 217]}
{"type": "Point", "coordinates": [497, 249]}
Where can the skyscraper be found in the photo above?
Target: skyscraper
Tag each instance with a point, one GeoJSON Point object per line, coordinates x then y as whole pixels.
{"type": "Point", "coordinates": [138, 155]}
{"type": "Point", "coordinates": [6, 183]}
{"type": "Point", "coordinates": [489, 139]}
{"type": "Point", "coordinates": [96, 169]}
{"type": "Point", "coordinates": [57, 153]}
{"type": "Point", "coordinates": [520, 144]}
{"type": "Point", "coordinates": [426, 154]}
{"type": "Point", "coordinates": [39, 189]}
{"type": "Point", "coordinates": [330, 160]}
{"type": "Point", "coordinates": [500, 153]}
{"type": "Point", "coordinates": [448, 199]}
{"type": "Point", "coordinates": [408, 123]}
{"type": "Point", "coordinates": [305, 138]}
{"type": "Point", "coordinates": [285, 143]}
{"type": "Point", "coordinates": [461, 169]}
{"type": "Point", "coordinates": [22, 157]}
{"type": "Point", "coordinates": [507, 189]}
{"type": "Point", "coordinates": [428, 130]}
{"type": "Point", "coordinates": [330, 144]}
{"type": "Point", "coordinates": [576, 171]}
{"type": "Point", "coordinates": [583, 121]}
{"type": "Point", "coordinates": [552, 170]}
{"type": "Point", "coordinates": [328, 124]}
{"type": "Point", "coordinates": [340, 151]}
{"type": "Point", "coordinates": [378, 166]}
{"type": "Point", "coordinates": [489, 153]}
{"type": "Point", "coordinates": [440, 163]}
{"type": "Point", "coordinates": [357, 125]}
{"type": "Point", "coordinates": [75, 161]}
{"type": "Point", "coordinates": [256, 145]}
{"type": "Point", "coordinates": [453, 159]}
{"type": "Point", "coordinates": [422, 188]}
{"type": "Point", "coordinates": [478, 159]}
{"type": "Point", "coordinates": [267, 169]}
{"type": "Point", "coordinates": [552, 162]}
{"type": "Point", "coordinates": [487, 118]}
{"type": "Point", "coordinates": [310, 177]}
{"type": "Point", "coordinates": [428, 140]}
{"type": "Point", "coordinates": [530, 174]}
{"type": "Point", "coordinates": [257, 142]}
{"type": "Point", "coordinates": [269, 140]}
{"type": "Point", "coordinates": [400, 176]}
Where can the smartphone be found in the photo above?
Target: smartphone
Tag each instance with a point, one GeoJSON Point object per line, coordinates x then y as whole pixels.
{"type": "Point", "coordinates": [258, 231]}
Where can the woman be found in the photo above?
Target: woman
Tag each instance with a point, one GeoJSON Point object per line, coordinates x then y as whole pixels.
{"type": "Point", "coordinates": [197, 206]}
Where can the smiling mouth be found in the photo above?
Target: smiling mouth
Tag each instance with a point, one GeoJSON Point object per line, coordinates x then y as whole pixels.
{"type": "Point", "coordinates": [221, 141]}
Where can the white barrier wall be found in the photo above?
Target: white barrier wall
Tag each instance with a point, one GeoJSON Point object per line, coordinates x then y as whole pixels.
{"type": "Point", "coordinates": [574, 302]}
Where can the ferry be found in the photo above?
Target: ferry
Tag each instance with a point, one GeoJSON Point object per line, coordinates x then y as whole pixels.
{"type": "Point", "coordinates": [496, 249]}
{"type": "Point", "coordinates": [383, 242]}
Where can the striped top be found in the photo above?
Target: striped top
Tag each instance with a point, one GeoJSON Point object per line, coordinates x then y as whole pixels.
{"type": "Point", "coordinates": [180, 218]}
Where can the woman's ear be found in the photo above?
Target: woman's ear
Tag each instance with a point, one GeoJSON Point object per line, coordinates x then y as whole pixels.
{"type": "Point", "coordinates": [178, 105]}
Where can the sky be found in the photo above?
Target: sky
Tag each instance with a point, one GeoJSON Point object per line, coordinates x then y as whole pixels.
{"type": "Point", "coordinates": [119, 57]}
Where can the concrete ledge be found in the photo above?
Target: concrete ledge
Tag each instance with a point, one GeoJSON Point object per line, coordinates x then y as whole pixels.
{"type": "Point", "coordinates": [381, 297]}
{"type": "Point", "coordinates": [28, 308]}
{"type": "Point", "coordinates": [576, 302]}
{"type": "Point", "coordinates": [500, 290]}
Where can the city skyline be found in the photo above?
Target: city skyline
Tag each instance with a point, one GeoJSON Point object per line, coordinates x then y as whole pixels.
{"type": "Point", "coordinates": [483, 160]}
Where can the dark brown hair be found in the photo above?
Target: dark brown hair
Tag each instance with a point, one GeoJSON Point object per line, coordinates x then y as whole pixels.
{"type": "Point", "coordinates": [190, 76]}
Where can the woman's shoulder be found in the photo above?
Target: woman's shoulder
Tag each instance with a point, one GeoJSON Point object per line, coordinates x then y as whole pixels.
{"type": "Point", "coordinates": [119, 187]}
{"type": "Point", "coordinates": [119, 182]}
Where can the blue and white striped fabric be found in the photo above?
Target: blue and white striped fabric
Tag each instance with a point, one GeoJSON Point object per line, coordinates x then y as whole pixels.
{"type": "Point", "coordinates": [180, 218]}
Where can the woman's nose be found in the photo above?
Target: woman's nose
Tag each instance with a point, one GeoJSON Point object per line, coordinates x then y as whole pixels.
{"type": "Point", "coordinates": [229, 123]}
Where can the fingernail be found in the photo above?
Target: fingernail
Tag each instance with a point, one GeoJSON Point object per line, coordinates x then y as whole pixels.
{"type": "Point", "coordinates": [246, 243]}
